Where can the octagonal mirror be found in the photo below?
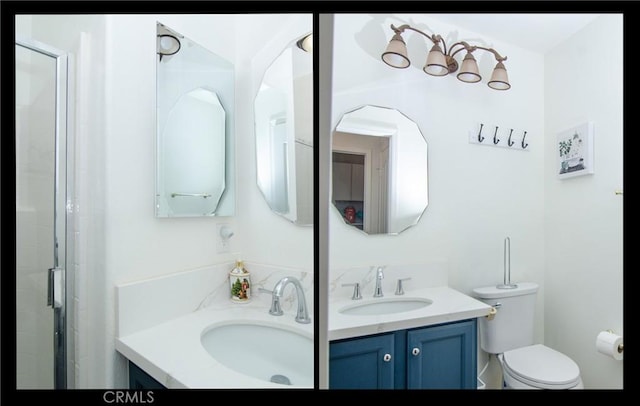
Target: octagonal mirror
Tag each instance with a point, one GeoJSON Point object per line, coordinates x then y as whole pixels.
{"type": "Point", "coordinates": [284, 133]}
{"type": "Point", "coordinates": [379, 170]}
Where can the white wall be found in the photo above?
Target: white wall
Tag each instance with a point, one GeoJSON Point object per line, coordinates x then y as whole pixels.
{"type": "Point", "coordinates": [477, 195]}
{"type": "Point", "coordinates": [120, 240]}
{"type": "Point", "coordinates": [583, 215]}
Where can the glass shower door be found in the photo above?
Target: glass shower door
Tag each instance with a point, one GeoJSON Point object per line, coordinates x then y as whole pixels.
{"type": "Point", "coordinates": [40, 216]}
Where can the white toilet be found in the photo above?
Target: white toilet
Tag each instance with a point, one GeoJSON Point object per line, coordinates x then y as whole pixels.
{"type": "Point", "coordinates": [510, 336]}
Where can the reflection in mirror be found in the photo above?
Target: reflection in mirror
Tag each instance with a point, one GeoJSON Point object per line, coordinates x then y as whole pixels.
{"type": "Point", "coordinates": [284, 133]}
{"type": "Point", "coordinates": [379, 170]}
{"type": "Point", "coordinates": [195, 123]}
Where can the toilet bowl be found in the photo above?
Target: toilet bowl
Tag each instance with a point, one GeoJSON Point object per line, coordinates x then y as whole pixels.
{"type": "Point", "coordinates": [539, 367]}
{"type": "Point", "coordinates": [509, 335]}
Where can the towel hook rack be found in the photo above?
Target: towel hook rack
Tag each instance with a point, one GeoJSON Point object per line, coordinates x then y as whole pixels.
{"type": "Point", "coordinates": [508, 138]}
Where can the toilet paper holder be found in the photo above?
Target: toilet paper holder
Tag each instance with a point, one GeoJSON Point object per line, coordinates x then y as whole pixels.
{"type": "Point", "coordinates": [492, 312]}
{"type": "Point", "coordinates": [620, 346]}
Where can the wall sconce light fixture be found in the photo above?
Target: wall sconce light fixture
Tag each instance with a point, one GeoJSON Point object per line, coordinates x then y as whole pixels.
{"type": "Point", "coordinates": [441, 63]}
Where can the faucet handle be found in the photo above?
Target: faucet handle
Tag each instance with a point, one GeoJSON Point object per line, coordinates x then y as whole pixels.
{"type": "Point", "coordinates": [275, 309]}
{"type": "Point", "coordinates": [399, 289]}
{"type": "Point", "coordinates": [356, 290]}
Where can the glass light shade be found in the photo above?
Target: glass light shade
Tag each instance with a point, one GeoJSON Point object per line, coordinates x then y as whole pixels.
{"type": "Point", "coordinates": [436, 62]}
{"type": "Point", "coordinates": [499, 79]}
{"type": "Point", "coordinates": [396, 53]}
{"type": "Point", "coordinates": [168, 44]}
{"type": "Point", "coordinates": [469, 70]}
{"type": "Point", "coordinates": [306, 43]}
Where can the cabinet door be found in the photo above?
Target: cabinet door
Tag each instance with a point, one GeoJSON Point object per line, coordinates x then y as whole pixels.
{"type": "Point", "coordinates": [341, 181]}
{"type": "Point", "coordinates": [138, 379]}
{"type": "Point", "coordinates": [442, 357]}
{"type": "Point", "coordinates": [362, 363]}
{"type": "Point", "coordinates": [357, 182]}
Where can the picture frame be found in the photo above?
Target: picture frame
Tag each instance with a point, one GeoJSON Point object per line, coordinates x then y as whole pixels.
{"type": "Point", "coordinates": [574, 151]}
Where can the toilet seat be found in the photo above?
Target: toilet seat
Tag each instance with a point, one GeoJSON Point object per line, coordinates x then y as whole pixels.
{"type": "Point", "coordinates": [541, 367]}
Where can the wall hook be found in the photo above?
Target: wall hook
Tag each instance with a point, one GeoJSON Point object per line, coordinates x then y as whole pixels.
{"type": "Point", "coordinates": [523, 144]}
{"type": "Point", "coordinates": [508, 137]}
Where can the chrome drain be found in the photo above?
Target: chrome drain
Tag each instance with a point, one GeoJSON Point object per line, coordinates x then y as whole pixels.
{"type": "Point", "coordinates": [281, 379]}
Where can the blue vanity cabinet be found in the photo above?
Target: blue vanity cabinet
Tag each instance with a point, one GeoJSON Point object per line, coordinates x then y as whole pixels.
{"type": "Point", "coordinates": [442, 356]}
{"type": "Point", "coordinates": [138, 379]}
{"type": "Point", "coordinates": [362, 363]}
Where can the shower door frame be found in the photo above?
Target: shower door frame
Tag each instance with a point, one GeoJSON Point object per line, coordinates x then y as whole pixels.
{"type": "Point", "coordinates": [63, 234]}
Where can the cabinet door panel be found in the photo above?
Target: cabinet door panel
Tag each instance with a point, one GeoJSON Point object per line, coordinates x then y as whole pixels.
{"type": "Point", "coordinates": [357, 182]}
{"type": "Point", "coordinates": [360, 363]}
{"type": "Point", "coordinates": [442, 357]}
{"type": "Point", "coordinates": [341, 181]}
{"type": "Point", "coordinates": [138, 379]}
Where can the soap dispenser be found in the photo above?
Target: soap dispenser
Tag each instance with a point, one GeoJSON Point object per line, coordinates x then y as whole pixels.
{"type": "Point", "coordinates": [240, 283]}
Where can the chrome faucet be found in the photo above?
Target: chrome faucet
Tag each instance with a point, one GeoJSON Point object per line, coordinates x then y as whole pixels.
{"type": "Point", "coordinates": [379, 276]}
{"type": "Point", "coordinates": [302, 315]}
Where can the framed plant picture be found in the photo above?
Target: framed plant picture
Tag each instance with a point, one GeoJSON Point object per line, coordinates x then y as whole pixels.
{"type": "Point", "coordinates": [574, 151]}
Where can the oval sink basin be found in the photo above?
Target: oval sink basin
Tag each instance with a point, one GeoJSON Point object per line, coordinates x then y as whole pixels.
{"type": "Point", "coordinates": [385, 306]}
{"type": "Point", "coordinates": [266, 352]}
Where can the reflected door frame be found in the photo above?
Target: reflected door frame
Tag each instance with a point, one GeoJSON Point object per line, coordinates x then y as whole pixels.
{"type": "Point", "coordinates": [375, 200]}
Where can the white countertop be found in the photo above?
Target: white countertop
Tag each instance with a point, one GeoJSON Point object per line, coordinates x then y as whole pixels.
{"type": "Point", "coordinates": [448, 305]}
{"type": "Point", "coordinates": [171, 352]}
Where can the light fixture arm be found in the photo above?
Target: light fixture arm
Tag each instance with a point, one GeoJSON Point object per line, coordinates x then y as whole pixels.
{"type": "Point", "coordinates": [495, 53]}
{"type": "Point", "coordinates": [472, 48]}
{"type": "Point", "coordinates": [435, 38]}
{"type": "Point", "coordinates": [462, 46]}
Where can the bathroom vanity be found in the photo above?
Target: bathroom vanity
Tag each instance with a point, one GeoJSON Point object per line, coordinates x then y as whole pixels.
{"type": "Point", "coordinates": [182, 331]}
{"type": "Point", "coordinates": [434, 357]}
{"type": "Point", "coordinates": [431, 346]}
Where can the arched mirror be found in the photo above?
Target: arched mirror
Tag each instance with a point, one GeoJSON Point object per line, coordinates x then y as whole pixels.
{"type": "Point", "coordinates": [284, 133]}
{"type": "Point", "coordinates": [379, 170]}
{"type": "Point", "coordinates": [195, 98]}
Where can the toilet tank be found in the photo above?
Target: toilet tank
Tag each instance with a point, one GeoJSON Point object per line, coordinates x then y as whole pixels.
{"type": "Point", "coordinates": [512, 326]}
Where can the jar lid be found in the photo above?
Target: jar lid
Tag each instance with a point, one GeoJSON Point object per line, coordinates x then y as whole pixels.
{"type": "Point", "coordinates": [239, 269]}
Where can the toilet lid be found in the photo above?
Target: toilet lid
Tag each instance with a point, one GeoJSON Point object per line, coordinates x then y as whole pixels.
{"type": "Point", "coordinates": [543, 365]}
